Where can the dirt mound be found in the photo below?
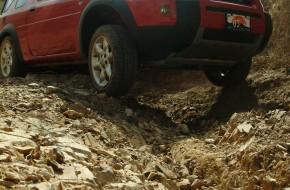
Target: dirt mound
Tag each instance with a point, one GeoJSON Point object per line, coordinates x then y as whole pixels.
{"type": "Point", "coordinates": [277, 52]}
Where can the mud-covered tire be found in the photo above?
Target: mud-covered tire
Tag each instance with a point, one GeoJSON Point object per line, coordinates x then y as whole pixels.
{"type": "Point", "coordinates": [10, 66]}
{"type": "Point", "coordinates": [231, 76]}
{"type": "Point", "coordinates": [112, 60]}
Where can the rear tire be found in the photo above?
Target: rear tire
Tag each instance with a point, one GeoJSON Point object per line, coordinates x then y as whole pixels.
{"type": "Point", "coordinates": [227, 77]}
{"type": "Point", "coordinates": [10, 66]}
{"type": "Point", "coordinates": [112, 60]}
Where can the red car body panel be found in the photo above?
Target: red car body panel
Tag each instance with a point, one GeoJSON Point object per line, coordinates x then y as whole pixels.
{"type": "Point", "coordinates": [48, 30]}
{"type": "Point", "coordinates": [147, 12]}
{"type": "Point", "coordinates": [216, 20]}
{"type": "Point", "coordinates": [56, 23]}
{"type": "Point", "coordinates": [19, 21]}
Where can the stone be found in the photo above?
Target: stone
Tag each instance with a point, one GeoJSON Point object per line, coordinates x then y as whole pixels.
{"type": "Point", "coordinates": [33, 85]}
{"type": "Point", "coordinates": [5, 158]}
{"type": "Point", "coordinates": [89, 140]}
{"type": "Point", "coordinates": [210, 141]}
{"type": "Point", "coordinates": [81, 92]}
{"type": "Point", "coordinates": [104, 135]}
{"type": "Point", "coordinates": [169, 184]}
{"type": "Point", "coordinates": [16, 136]}
{"type": "Point", "coordinates": [72, 114]}
{"type": "Point", "coordinates": [78, 107]}
{"type": "Point", "coordinates": [247, 144]}
{"type": "Point", "coordinates": [167, 159]}
{"type": "Point", "coordinates": [117, 166]}
{"type": "Point", "coordinates": [280, 147]}
{"type": "Point", "coordinates": [24, 150]}
{"type": "Point", "coordinates": [184, 171]}
{"type": "Point", "coordinates": [69, 173]}
{"type": "Point", "coordinates": [78, 148]}
{"type": "Point", "coordinates": [287, 145]}
{"type": "Point", "coordinates": [24, 105]}
{"type": "Point", "coordinates": [124, 186]}
{"type": "Point", "coordinates": [129, 112]}
{"type": "Point", "coordinates": [183, 128]}
{"type": "Point", "coordinates": [51, 89]}
{"type": "Point", "coordinates": [56, 154]}
{"type": "Point", "coordinates": [256, 180]}
{"type": "Point", "coordinates": [192, 178]}
{"type": "Point", "coordinates": [135, 178]}
{"type": "Point", "coordinates": [153, 176]}
{"type": "Point", "coordinates": [280, 114]}
{"type": "Point", "coordinates": [7, 183]}
{"type": "Point", "coordinates": [12, 176]}
{"type": "Point", "coordinates": [153, 124]}
{"type": "Point", "coordinates": [76, 123]}
{"type": "Point", "coordinates": [41, 186]}
{"type": "Point", "coordinates": [269, 183]}
{"type": "Point", "coordinates": [137, 141]}
{"type": "Point", "coordinates": [244, 127]}
{"type": "Point", "coordinates": [197, 184]}
{"type": "Point", "coordinates": [132, 186]}
{"type": "Point", "coordinates": [184, 184]}
{"type": "Point", "coordinates": [167, 172]}
{"type": "Point", "coordinates": [105, 176]}
{"type": "Point", "coordinates": [84, 173]}
{"type": "Point", "coordinates": [157, 130]}
{"type": "Point", "coordinates": [146, 148]}
{"type": "Point", "coordinates": [104, 152]}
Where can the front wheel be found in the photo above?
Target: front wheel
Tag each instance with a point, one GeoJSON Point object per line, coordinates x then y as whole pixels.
{"type": "Point", "coordinates": [112, 60]}
{"type": "Point", "coordinates": [9, 63]}
{"type": "Point", "coordinates": [231, 76]}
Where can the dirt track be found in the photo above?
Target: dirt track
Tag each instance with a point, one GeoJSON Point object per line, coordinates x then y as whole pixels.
{"type": "Point", "coordinates": [174, 130]}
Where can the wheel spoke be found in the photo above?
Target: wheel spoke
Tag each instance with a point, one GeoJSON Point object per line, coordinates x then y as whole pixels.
{"type": "Point", "coordinates": [9, 62]}
{"type": "Point", "coordinates": [109, 71]}
{"type": "Point", "coordinates": [8, 49]}
{"type": "Point", "coordinates": [7, 58]}
{"type": "Point", "coordinates": [109, 56]}
{"type": "Point", "coordinates": [102, 76]}
{"type": "Point", "coordinates": [98, 48]}
{"type": "Point", "coordinates": [4, 55]}
{"type": "Point", "coordinates": [105, 44]}
{"type": "Point", "coordinates": [101, 61]}
{"type": "Point", "coordinates": [97, 66]}
{"type": "Point", "coordinates": [3, 66]}
{"type": "Point", "coordinates": [7, 70]}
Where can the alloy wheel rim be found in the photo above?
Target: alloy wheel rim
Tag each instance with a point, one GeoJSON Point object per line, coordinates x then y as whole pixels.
{"type": "Point", "coordinates": [6, 58]}
{"type": "Point", "coordinates": [102, 61]}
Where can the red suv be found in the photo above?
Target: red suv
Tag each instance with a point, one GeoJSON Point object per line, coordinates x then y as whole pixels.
{"type": "Point", "coordinates": [118, 37]}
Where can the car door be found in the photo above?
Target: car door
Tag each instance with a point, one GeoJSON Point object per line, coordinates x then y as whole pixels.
{"type": "Point", "coordinates": [52, 26]}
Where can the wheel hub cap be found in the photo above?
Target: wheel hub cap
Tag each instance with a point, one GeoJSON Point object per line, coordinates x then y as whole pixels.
{"type": "Point", "coordinates": [6, 58]}
{"type": "Point", "coordinates": [102, 61]}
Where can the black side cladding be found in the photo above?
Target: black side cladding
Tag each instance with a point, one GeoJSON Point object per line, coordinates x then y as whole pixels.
{"type": "Point", "coordinates": [188, 19]}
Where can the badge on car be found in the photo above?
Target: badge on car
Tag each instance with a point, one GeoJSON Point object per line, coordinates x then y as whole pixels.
{"type": "Point", "coordinates": [238, 22]}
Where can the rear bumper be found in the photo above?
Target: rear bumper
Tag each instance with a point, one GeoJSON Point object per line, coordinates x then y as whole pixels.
{"type": "Point", "coordinates": [200, 34]}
